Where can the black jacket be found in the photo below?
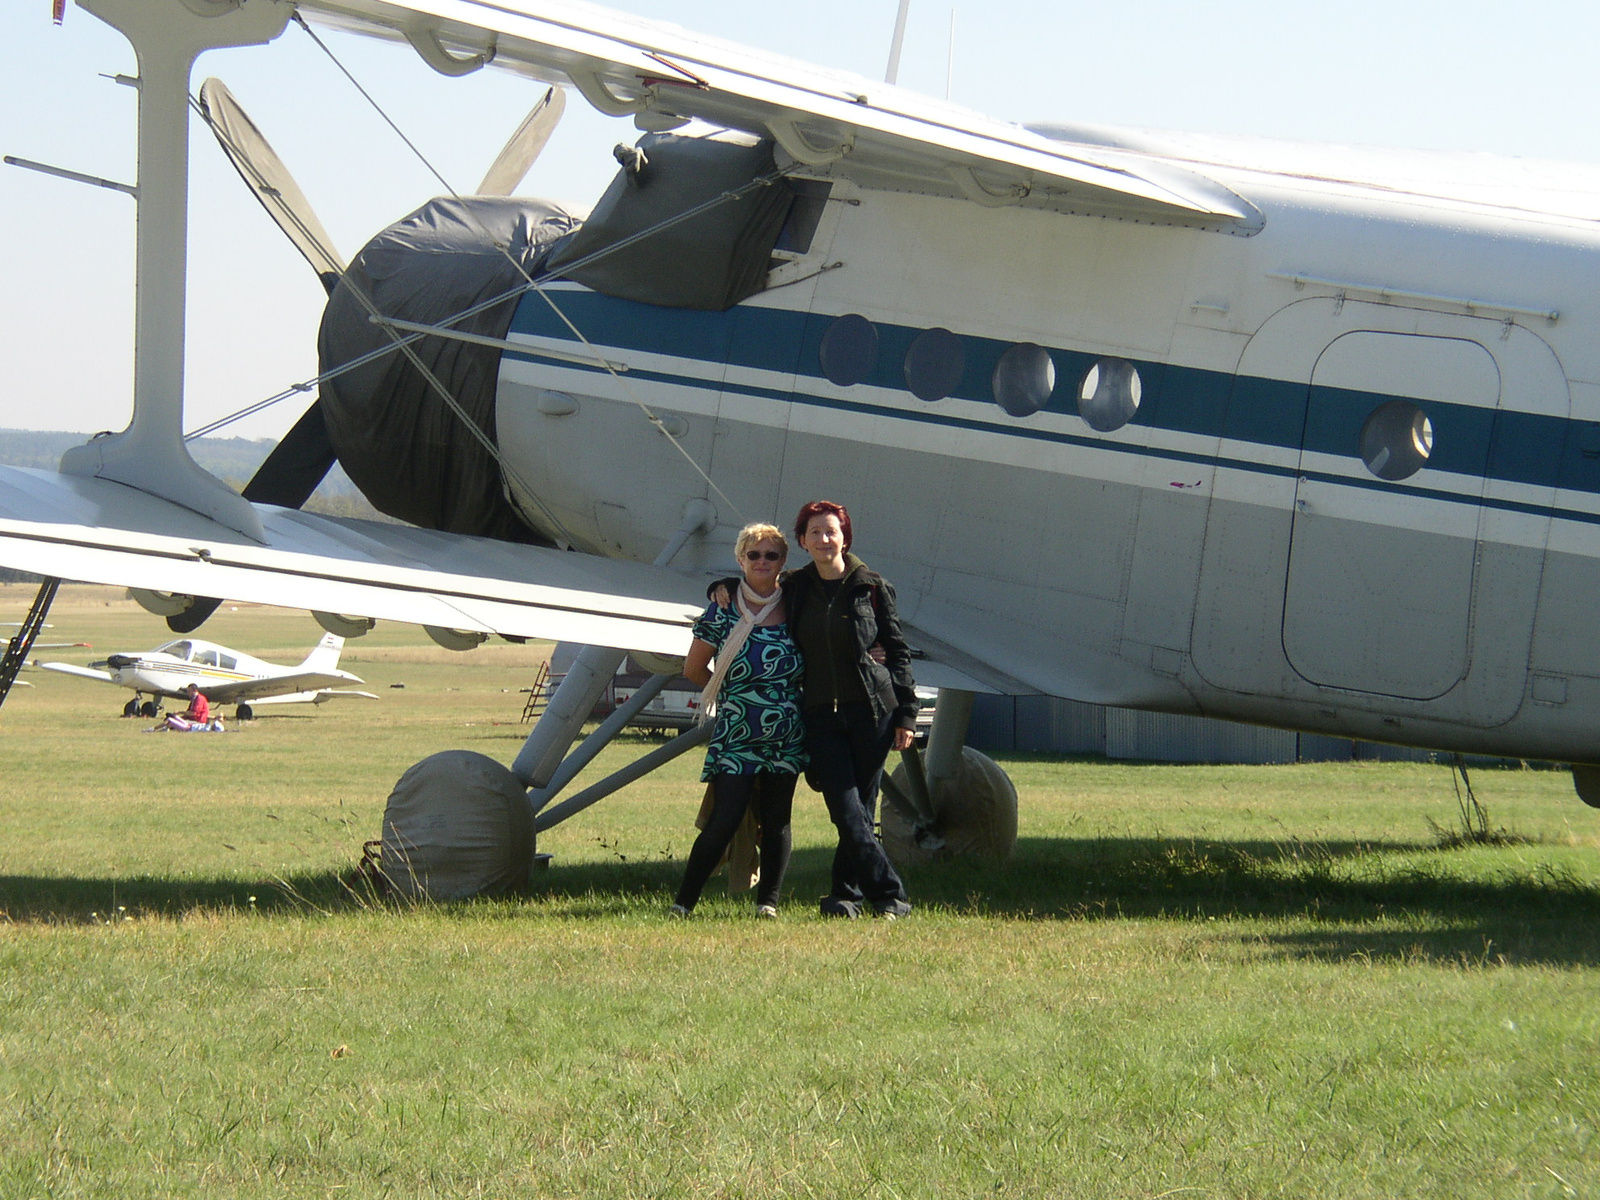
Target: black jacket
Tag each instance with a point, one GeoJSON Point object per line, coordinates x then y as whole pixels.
{"type": "Point", "coordinates": [889, 684]}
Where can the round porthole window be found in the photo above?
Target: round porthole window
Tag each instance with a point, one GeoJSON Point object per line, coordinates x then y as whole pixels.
{"type": "Point", "coordinates": [1396, 440]}
{"type": "Point", "coordinates": [1109, 394]}
{"type": "Point", "coordinates": [1023, 379]}
{"type": "Point", "coordinates": [849, 350]}
{"type": "Point", "coordinates": [934, 364]}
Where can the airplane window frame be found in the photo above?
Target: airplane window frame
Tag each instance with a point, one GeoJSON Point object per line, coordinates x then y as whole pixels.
{"type": "Point", "coordinates": [1110, 393]}
{"type": "Point", "coordinates": [1024, 380]}
{"type": "Point", "coordinates": [848, 352]}
{"type": "Point", "coordinates": [1397, 440]}
{"type": "Point", "coordinates": [934, 365]}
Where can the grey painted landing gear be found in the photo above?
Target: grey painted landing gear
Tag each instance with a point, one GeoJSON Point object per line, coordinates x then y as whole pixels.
{"type": "Point", "coordinates": [1586, 782]}
{"type": "Point", "coordinates": [433, 837]}
{"type": "Point", "coordinates": [954, 802]}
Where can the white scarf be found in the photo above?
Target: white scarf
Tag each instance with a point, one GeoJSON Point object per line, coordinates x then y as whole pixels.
{"type": "Point", "coordinates": [753, 608]}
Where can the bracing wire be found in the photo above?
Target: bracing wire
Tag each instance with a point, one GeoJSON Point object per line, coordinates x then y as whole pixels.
{"type": "Point", "coordinates": [510, 294]}
{"type": "Point", "coordinates": [534, 284]}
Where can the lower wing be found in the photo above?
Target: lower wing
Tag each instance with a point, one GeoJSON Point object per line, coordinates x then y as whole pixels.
{"type": "Point", "coordinates": [93, 530]}
{"type": "Point", "coordinates": [102, 532]}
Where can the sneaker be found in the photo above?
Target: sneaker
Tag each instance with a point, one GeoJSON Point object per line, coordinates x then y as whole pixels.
{"type": "Point", "coordinates": [836, 906]}
{"type": "Point", "coordinates": [767, 912]}
{"type": "Point", "coordinates": [891, 910]}
{"type": "Point", "coordinates": [677, 912]}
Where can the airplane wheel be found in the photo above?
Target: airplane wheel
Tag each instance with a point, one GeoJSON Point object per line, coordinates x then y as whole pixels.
{"type": "Point", "coordinates": [975, 813]}
{"type": "Point", "coordinates": [149, 709]}
{"type": "Point", "coordinates": [131, 708]}
{"type": "Point", "coordinates": [244, 713]}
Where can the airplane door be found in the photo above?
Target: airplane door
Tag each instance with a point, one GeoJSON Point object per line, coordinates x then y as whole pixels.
{"type": "Point", "coordinates": [1381, 578]}
{"type": "Point", "coordinates": [1328, 564]}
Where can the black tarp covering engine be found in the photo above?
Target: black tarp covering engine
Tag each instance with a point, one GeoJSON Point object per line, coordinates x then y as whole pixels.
{"type": "Point", "coordinates": [398, 441]}
{"type": "Point", "coordinates": [710, 261]}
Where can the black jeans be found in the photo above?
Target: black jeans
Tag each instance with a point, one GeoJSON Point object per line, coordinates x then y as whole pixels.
{"type": "Point", "coordinates": [773, 795]}
{"type": "Point", "coordinates": [848, 748]}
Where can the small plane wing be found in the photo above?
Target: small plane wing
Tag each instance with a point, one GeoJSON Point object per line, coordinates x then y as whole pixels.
{"type": "Point", "coordinates": [869, 132]}
{"type": "Point", "coordinates": [97, 531]}
{"type": "Point", "coordinates": [321, 696]}
{"type": "Point", "coordinates": [82, 672]}
{"type": "Point", "coordinates": [256, 691]}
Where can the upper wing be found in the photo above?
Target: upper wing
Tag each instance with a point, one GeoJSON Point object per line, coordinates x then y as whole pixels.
{"type": "Point", "coordinates": [872, 133]}
{"type": "Point", "coordinates": [101, 532]}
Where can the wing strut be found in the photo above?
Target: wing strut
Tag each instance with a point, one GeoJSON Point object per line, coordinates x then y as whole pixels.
{"type": "Point", "coordinates": [149, 455]}
{"type": "Point", "coordinates": [17, 649]}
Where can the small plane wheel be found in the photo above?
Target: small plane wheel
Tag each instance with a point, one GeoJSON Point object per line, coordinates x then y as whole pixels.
{"type": "Point", "coordinates": [131, 708]}
{"type": "Point", "coordinates": [149, 709]}
{"type": "Point", "coordinates": [976, 815]}
{"type": "Point", "coordinates": [244, 713]}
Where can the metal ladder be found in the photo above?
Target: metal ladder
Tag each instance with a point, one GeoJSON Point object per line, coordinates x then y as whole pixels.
{"type": "Point", "coordinates": [544, 685]}
{"type": "Point", "coordinates": [17, 649]}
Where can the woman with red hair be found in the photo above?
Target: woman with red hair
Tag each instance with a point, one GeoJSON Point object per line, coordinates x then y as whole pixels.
{"type": "Point", "coordinates": [856, 708]}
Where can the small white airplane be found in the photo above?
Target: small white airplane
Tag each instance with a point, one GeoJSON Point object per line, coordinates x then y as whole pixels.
{"type": "Point", "coordinates": [225, 676]}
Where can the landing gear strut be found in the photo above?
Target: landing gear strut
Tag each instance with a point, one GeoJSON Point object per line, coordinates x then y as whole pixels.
{"type": "Point", "coordinates": [422, 854]}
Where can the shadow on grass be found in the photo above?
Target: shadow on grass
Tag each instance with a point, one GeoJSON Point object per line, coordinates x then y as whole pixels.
{"type": "Point", "coordinates": [63, 900]}
{"type": "Point", "coordinates": [1473, 913]}
{"type": "Point", "coordinates": [1389, 902]}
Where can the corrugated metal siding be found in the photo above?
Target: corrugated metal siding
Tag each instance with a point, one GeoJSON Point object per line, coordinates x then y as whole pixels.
{"type": "Point", "coordinates": [993, 727]}
{"type": "Point", "coordinates": [1048, 724]}
{"type": "Point", "coordinates": [1162, 737]}
{"type": "Point", "coordinates": [1051, 725]}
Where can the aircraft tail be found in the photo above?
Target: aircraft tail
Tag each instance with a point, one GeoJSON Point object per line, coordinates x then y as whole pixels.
{"type": "Point", "coordinates": [325, 655]}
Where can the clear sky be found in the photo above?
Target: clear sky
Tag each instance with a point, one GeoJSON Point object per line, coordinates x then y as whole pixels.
{"type": "Point", "coordinates": [1435, 74]}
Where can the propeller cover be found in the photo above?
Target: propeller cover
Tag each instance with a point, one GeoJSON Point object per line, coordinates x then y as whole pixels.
{"type": "Point", "coordinates": [395, 436]}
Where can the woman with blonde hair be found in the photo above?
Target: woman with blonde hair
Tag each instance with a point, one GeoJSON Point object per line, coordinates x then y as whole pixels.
{"type": "Point", "coordinates": [758, 743]}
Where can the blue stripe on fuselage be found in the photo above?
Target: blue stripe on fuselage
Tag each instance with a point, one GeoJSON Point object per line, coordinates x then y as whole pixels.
{"type": "Point", "coordinates": [1527, 448]}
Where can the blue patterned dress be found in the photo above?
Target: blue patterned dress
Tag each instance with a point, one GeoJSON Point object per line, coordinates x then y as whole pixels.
{"type": "Point", "coordinates": [758, 724]}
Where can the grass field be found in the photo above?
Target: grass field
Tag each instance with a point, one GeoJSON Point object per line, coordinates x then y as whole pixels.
{"type": "Point", "coordinates": [1189, 981]}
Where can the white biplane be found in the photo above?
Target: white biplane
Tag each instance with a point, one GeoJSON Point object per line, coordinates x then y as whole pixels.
{"type": "Point", "coordinates": [225, 676]}
{"type": "Point", "coordinates": [1292, 435]}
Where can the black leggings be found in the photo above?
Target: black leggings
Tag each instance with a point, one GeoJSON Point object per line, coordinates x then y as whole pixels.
{"type": "Point", "coordinates": [772, 792]}
{"type": "Point", "coordinates": [848, 747]}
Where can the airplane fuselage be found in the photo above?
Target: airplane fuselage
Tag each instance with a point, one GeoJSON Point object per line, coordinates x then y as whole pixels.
{"type": "Point", "coordinates": [1226, 536]}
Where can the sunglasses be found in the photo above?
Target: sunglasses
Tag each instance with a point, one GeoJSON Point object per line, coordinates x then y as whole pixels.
{"type": "Point", "coordinates": [768, 555]}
